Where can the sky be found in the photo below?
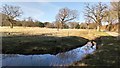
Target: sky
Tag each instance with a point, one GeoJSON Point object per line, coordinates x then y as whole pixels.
{"type": "Point", "coordinates": [46, 11]}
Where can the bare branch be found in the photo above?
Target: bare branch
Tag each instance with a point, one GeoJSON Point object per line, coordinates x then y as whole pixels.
{"type": "Point", "coordinates": [95, 12]}
{"type": "Point", "coordinates": [66, 15]}
{"type": "Point", "coordinates": [12, 12]}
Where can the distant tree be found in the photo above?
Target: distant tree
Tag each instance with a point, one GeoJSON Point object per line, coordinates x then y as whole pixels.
{"type": "Point", "coordinates": [66, 26]}
{"type": "Point", "coordinates": [77, 26]}
{"type": "Point", "coordinates": [96, 13]}
{"type": "Point", "coordinates": [45, 23]}
{"type": "Point", "coordinates": [17, 23]}
{"type": "Point", "coordinates": [12, 12]}
{"type": "Point", "coordinates": [50, 25]}
{"type": "Point", "coordinates": [30, 19]}
{"type": "Point", "coordinates": [64, 15]}
{"type": "Point", "coordinates": [73, 24]}
{"type": "Point", "coordinates": [92, 25]}
{"type": "Point", "coordinates": [24, 22]}
{"type": "Point", "coordinates": [30, 22]}
{"type": "Point", "coordinates": [83, 26]}
{"type": "Point", "coordinates": [41, 24]}
{"type": "Point", "coordinates": [58, 25]}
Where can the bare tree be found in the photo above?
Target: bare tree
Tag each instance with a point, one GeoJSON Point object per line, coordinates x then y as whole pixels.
{"type": "Point", "coordinates": [12, 12]}
{"type": "Point", "coordinates": [116, 8]}
{"type": "Point", "coordinates": [96, 13]}
{"type": "Point", "coordinates": [30, 19]}
{"type": "Point", "coordinates": [110, 18]}
{"type": "Point", "coordinates": [65, 15]}
{"type": "Point", "coordinates": [114, 5]}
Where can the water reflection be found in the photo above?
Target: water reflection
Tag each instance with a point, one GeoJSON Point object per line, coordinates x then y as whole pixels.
{"type": "Point", "coordinates": [9, 55]}
{"type": "Point", "coordinates": [64, 58]}
{"type": "Point", "coordinates": [0, 61]}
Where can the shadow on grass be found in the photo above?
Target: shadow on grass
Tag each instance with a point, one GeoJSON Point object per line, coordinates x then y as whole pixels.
{"type": "Point", "coordinates": [40, 44]}
{"type": "Point", "coordinates": [106, 55]}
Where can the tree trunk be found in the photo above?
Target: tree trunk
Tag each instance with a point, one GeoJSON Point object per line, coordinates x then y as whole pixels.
{"type": "Point", "coordinates": [57, 28]}
{"type": "Point", "coordinates": [62, 25]}
{"type": "Point", "coordinates": [98, 28]}
{"type": "Point", "coordinates": [109, 26]}
{"type": "Point", "coordinates": [98, 25]}
{"type": "Point", "coordinates": [11, 25]}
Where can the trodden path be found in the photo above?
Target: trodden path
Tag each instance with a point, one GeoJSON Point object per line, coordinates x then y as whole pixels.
{"type": "Point", "coordinates": [113, 33]}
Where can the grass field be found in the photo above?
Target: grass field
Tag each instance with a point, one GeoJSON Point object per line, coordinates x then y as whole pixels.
{"type": "Point", "coordinates": [24, 31]}
{"type": "Point", "coordinates": [35, 40]}
{"type": "Point", "coordinates": [108, 54]}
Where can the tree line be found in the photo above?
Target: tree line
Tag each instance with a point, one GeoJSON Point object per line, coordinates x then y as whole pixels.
{"type": "Point", "coordinates": [29, 22]}
{"type": "Point", "coordinates": [94, 14]}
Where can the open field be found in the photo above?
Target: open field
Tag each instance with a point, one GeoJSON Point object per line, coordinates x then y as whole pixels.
{"type": "Point", "coordinates": [24, 31]}
{"type": "Point", "coordinates": [35, 40]}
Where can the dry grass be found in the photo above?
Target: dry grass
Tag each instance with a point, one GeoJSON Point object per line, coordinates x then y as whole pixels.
{"type": "Point", "coordinates": [88, 34]}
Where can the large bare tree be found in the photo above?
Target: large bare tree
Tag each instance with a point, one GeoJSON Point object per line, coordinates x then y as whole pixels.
{"type": "Point", "coordinates": [96, 13]}
{"type": "Point", "coordinates": [65, 15]}
{"type": "Point", "coordinates": [116, 9]}
{"type": "Point", "coordinates": [12, 12]}
{"type": "Point", "coordinates": [110, 18]}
